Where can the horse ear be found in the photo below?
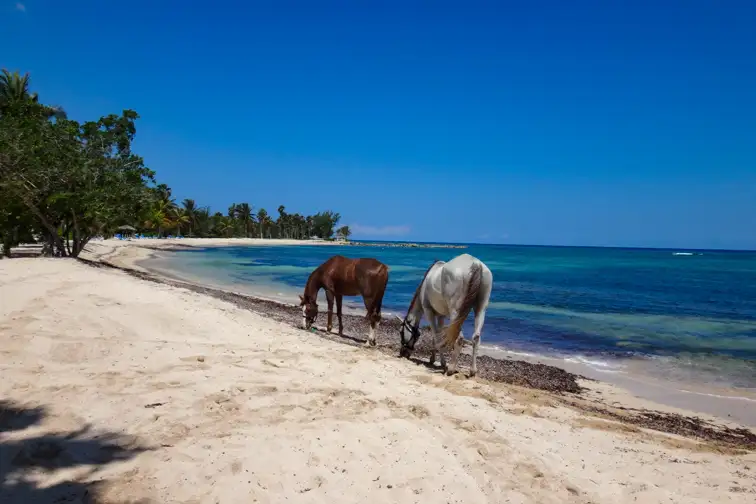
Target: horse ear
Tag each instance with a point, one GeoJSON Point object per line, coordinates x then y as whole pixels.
{"type": "Point", "coordinates": [301, 300]}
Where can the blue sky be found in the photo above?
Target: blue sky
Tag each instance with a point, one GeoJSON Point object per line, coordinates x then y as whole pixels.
{"type": "Point", "coordinates": [628, 123]}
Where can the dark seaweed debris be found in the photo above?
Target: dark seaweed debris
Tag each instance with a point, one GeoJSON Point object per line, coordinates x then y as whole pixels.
{"type": "Point", "coordinates": [527, 374]}
{"type": "Point", "coordinates": [514, 372]}
{"type": "Point", "coordinates": [671, 423]}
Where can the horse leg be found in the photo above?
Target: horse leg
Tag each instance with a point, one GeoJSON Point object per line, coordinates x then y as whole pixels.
{"type": "Point", "coordinates": [329, 298]}
{"type": "Point", "coordinates": [339, 298]}
{"type": "Point", "coordinates": [455, 355]}
{"type": "Point", "coordinates": [456, 349]}
{"type": "Point", "coordinates": [480, 317]}
{"type": "Point", "coordinates": [370, 309]}
{"type": "Point", "coordinates": [439, 322]}
{"type": "Point", "coordinates": [371, 335]}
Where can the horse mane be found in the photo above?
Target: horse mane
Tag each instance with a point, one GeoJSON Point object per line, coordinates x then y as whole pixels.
{"type": "Point", "coordinates": [473, 286]}
{"type": "Point", "coordinates": [312, 279]}
{"type": "Point", "coordinates": [417, 291]}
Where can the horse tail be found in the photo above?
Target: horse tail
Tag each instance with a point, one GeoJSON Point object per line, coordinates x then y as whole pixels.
{"type": "Point", "coordinates": [473, 286]}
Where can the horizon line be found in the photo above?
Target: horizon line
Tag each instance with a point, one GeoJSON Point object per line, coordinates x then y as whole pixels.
{"type": "Point", "coordinates": [628, 247]}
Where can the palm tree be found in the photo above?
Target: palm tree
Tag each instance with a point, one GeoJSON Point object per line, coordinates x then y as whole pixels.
{"type": "Point", "coordinates": [158, 217]}
{"type": "Point", "coordinates": [231, 217]}
{"type": "Point", "coordinates": [180, 217]}
{"type": "Point", "coordinates": [162, 209]}
{"type": "Point", "coordinates": [217, 222]}
{"type": "Point", "coordinates": [190, 208]}
{"type": "Point", "coordinates": [282, 221]}
{"type": "Point", "coordinates": [226, 226]}
{"type": "Point", "coordinates": [203, 221]}
{"type": "Point", "coordinates": [299, 226]}
{"type": "Point", "coordinates": [244, 214]}
{"type": "Point", "coordinates": [262, 220]}
{"type": "Point", "coordinates": [14, 89]}
{"type": "Point", "coordinates": [269, 224]}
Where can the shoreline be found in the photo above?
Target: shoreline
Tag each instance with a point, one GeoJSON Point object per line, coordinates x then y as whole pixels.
{"type": "Point", "coordinates": [731, 404]}
{"type": "Point", "coordinates": [562, 376]}
{"type": "Point", "coordinates": [177, 244]}
{"type": "Point", "coordinates": [123, 385]}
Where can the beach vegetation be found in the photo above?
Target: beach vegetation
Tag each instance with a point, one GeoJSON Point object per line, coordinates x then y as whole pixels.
{"type": "Point", "coordinates": [344, 232]}
{"type": "Point", "coordinates": [63, 182]}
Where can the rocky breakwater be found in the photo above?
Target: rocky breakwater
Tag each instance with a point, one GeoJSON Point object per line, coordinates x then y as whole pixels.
{"type": "Point", "coordinates": [405, 245]}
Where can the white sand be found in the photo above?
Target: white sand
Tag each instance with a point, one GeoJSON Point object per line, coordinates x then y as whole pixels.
{"type": "Point", "coordinates": [731, 404]}
{"type": "Point", "coordinates": [252, 410]}
{"type": "Point", "coordinates": [211, 242]}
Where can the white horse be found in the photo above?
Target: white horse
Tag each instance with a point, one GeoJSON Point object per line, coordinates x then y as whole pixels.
{"type": "Point", "coordinates": [449, 289]}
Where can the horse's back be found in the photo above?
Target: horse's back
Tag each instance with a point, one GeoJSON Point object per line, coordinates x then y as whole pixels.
{"type": "Point", "coordinates": [370, 264]}
{"type": "Point", "coordinates": [373, 271]}
{"type": "Point", "coordinates": [352, 276]}
{"type": "Point", "coordinates": [340, 263]}
{"type": "Point", "coordinates": [457, 272]}
{"type": "Point", "coordinates": [462, 265]}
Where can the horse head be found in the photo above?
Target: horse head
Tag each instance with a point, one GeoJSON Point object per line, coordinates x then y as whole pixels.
{"type": "Point", "coordinates": [409, 335]}
{"type": "Point", "coordinates": [309, 311]}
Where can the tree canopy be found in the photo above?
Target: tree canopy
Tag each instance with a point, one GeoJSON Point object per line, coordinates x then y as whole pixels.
{"type": "Point", "coordinates": [65, 182]}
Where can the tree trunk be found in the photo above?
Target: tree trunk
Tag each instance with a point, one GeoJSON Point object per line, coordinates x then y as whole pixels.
{"type": "Point", "coordinates": [7, 244]}
{"type": "Point", "coordinates": [53, 237]}
{"type": "Point", "coordinates": [48, 250]}
{"type": "Point", "coordinates": [79, 245]}
{"type": "Point", "coordinates": [66, 232]}
{"type": "Point", "coordinates": [76, 236]}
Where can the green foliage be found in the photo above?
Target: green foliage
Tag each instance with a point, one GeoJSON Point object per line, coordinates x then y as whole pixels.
{"type": "Point", "coordinates": [324, 223]}
{"type": "Point", "coordinates": [68, 179]}
{"type": "Point", "coordinates": [66, 182]}
{"type": "Point", "coordinates": [14, 91]}
{"type": "Point", "coordinates": [344, 232]}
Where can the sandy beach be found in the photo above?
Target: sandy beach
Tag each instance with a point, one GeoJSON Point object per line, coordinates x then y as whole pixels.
{"type": "Point", "coordinates": [116, 389]}
{"type": "Point", "coordinates": [156, 258]}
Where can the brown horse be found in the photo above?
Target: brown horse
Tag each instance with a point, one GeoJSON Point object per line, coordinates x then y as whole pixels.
{"type": "Point", "coordinates": [341, 276]}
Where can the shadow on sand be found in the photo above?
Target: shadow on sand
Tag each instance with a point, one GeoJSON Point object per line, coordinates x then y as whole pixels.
{"type": "Point", "coordinates": [24, 459]}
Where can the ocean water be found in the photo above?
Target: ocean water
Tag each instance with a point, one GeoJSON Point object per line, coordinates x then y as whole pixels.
{"type": "Point", "coordinates": [689, 313]}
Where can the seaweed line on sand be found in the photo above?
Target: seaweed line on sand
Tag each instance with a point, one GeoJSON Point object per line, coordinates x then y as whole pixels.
{"type": "Point", "coordinates": [562, 384]}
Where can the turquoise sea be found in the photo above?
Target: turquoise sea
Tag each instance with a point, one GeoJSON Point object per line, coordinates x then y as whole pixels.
{"type": "Point", "coordinates": [689, 312]}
